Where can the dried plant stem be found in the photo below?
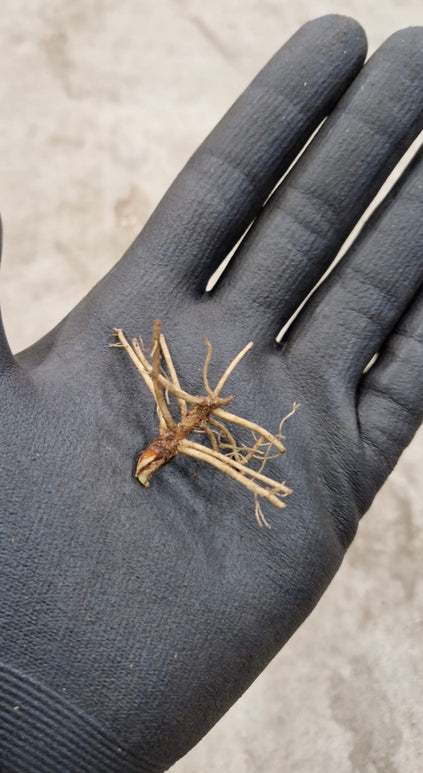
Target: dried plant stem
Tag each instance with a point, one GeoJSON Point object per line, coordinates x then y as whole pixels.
{"type": "Point", "coordinates": [208, 416]}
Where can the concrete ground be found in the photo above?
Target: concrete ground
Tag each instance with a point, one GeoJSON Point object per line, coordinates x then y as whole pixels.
{"type": "Point", "coordinates": [102, 103]}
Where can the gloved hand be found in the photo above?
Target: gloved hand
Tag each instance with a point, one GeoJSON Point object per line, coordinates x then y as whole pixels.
{"type": "Point", "coordinates": [132, 618]}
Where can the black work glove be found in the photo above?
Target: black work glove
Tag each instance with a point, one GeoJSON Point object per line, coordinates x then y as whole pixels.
{"type": "Point", "coordinates": [131, 618]}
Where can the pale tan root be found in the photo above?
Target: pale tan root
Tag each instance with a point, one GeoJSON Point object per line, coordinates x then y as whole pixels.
{"type": "Point", "coordinates": [142, 365]}
{"type": "Point", "coordinates": [295, 407]}
{"type": "Point", "coordinates": [212, 438]}
{"type": "Point", "coordinates": [258, 512]}
{"type": "Point", "coordinates": [206, 367]}
{"type": "Point", "coordinates": [267, 456]}
{"type": "Point", "coordinates": [228, 470]}
{"type": "Point", "coordinates": [253, 452]}
{"type": "Point", "coordinates": [234, 419]}
{"type": "Point", "coordinates": [193, 399]}
{"type": "Point", "coordinates": [232, 367]}
{"type": "Point", "coordinates": [134, 357]}
{"type": "Point", "coordinates": [226, 433]}
{"type": "Point", "coordinates": [143, 359]}
{"type": "Point", "coordinates": [155, 372]}
{"type": "Point", "coordinates": [234, 464]}
{"type": "Point", "coordinates": [173, 375]}
{"type": "Point", "coordinates": [256, 474]}
{"type": "Point", "coordinates": [139, 352]}
{"type": "Point", "coordinates": [146, 371]}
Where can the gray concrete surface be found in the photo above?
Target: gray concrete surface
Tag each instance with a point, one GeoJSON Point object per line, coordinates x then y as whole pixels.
{"type": "Point", "coordinates": [102, 103]}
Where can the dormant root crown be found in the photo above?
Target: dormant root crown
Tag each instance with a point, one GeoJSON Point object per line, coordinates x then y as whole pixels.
{"type": "Point", "coordinates": [205, 415]}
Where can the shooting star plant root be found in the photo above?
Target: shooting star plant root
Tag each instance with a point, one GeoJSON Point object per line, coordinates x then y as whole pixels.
{"type": "Point", "coordinates": [205, 414]}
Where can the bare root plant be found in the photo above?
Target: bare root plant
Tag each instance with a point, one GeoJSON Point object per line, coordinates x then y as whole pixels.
{"type": "Point", "coordinates": [205, 415]}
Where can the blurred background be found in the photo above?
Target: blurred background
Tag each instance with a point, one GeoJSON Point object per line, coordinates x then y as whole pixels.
{"type": "Point", "coordinates": [102, 103]}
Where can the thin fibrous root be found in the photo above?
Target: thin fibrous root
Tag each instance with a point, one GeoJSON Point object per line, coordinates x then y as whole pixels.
{"type": "Point", "coordinates": [220, 464]}
{"type": "Point", "coordinates": [204, 414]}
{"type": "Point", "coordinates": [233, 419]}
{"type": "Point", "coordinates": [228, 461]}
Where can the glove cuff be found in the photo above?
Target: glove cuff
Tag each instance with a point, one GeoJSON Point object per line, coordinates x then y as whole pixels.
{"type": "Point", "coordinates": [42, 732]}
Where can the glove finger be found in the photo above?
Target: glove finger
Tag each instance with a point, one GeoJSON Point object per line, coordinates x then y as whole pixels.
{"type": "Point", "coordinates": [6, 356]}
{"type": "Point", "coordinates": [351, 314]}
{"type": "Point", "coordinates": [390, 404]}
{"type": "Point", "coordinates": [309, 217]}
{"type": "Point", "coordinates": [225, 183]}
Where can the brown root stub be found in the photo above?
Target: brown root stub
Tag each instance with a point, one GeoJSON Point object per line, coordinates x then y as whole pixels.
{"type": "Point", "coordinates": [208, 417]}
{"type": "Point", "coordinates": [161, 451]}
